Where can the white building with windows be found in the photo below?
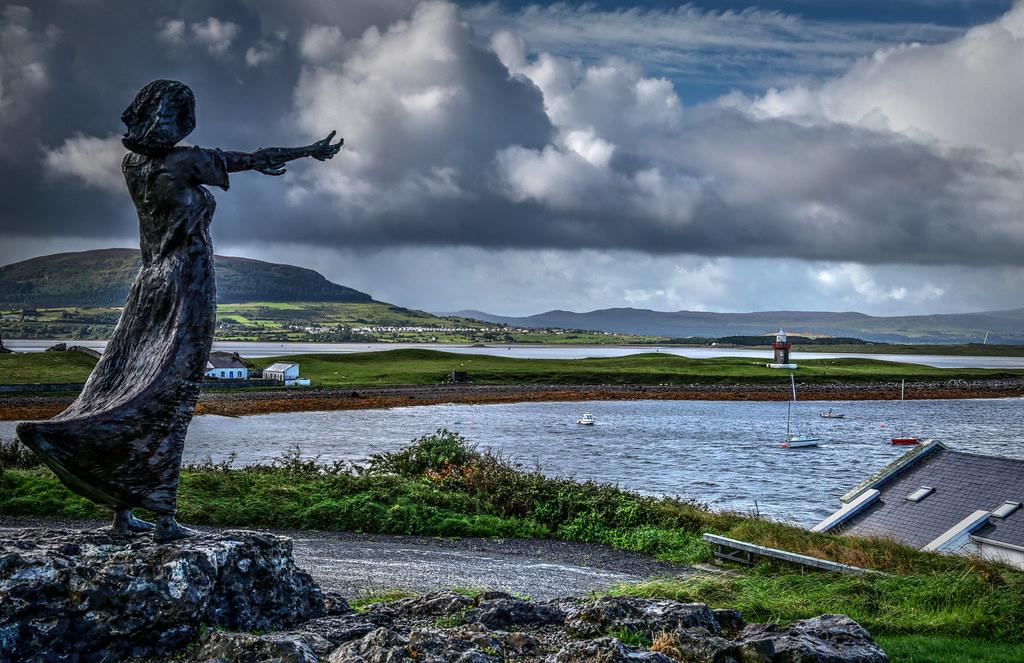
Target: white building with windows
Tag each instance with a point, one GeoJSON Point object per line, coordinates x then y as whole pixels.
{"type": "Point", "coordinates": [222, 366]}
{"type": "Point", "coordinates": [286, 372]}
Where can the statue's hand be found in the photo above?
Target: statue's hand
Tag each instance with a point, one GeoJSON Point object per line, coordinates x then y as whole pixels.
{"type": "Point", "coordinates": [322, 150]}
{"type": "Point", "coordinates": [272, 169]}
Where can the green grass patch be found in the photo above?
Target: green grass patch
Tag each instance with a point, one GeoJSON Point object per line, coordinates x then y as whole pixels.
{"type": "Point", "coordinates": [45, 367]}
{"type": "Point", "coordinates": [963, 604]}
{"type": "Point", "coordinates": [947, 649]}
{"type": "Point", "coordinates": [416, 366]}
{"type": "Point", "coordinates": [419, 367]}
{"type": "Point", "coordinates": [361, 603]}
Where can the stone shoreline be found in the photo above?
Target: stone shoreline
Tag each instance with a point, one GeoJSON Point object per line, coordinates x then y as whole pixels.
{"type": "Point", "coordinates": [240, 403]}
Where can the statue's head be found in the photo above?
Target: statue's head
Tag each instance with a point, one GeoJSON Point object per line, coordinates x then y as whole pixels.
{"type": "Point", "coordinates": [162, 114]}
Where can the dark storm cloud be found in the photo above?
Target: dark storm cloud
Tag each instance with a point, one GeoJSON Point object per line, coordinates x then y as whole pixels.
{"type": "Point", "coordinates": [97, 56]}
{"type": "Point", "coordinates": [449, 144]}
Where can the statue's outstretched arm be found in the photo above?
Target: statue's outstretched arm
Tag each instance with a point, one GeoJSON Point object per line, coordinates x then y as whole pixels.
{"type": "Point", "coordinates": [271, 160]}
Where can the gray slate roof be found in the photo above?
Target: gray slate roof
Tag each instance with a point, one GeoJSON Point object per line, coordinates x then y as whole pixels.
{"type": "Point", "coordinates": [963, 483]}
{"type": "Point", "coordinates": [218, 360]}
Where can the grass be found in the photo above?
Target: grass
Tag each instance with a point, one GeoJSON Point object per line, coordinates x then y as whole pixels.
{"type": "Point", "coordinates": [45, 367]}
{"type": "Point", "coordinates": [415, 366]}
{"type": "Point", "coordinates": [420, 367]}
{"type": "Point", "coordinates": [945, 649]}
{"type": "Point", "coordinates": [441, 486]}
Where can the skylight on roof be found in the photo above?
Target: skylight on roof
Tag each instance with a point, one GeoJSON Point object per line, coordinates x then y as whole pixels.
{"type": "Point", "coordinates": [1006, 509]}
{"type": "Point", "coordinates": [920, 493]}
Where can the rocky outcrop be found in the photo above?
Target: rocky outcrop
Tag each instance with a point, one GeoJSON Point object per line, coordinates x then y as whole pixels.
{"type": "Point", "coordinates": [644, 617]}
{"type": "Point", "coordinates": [89, 596]}
{"type": "Point", "coordinates": [606, 650]}
{"type": "Point", "coordinates": [828, 639]}
{"type": "Point", "coordinates": [501, 627]}
{"type": "Point", "coordinates": [497, 610]}
{"type": "Point", "coordinates": [433, 604]}
{"type": "Point", "coordinates": [237, 597]}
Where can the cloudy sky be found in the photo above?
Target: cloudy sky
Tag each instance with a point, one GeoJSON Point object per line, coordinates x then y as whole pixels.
{"type": "Point", "coordinates": [517, 157]}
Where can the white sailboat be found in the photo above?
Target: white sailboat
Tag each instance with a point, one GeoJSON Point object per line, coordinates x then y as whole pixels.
{"type": "Point", "coordinates": [793, 439]}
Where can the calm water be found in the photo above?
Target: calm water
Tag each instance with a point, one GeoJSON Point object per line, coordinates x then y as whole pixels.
{"type": "Point", "coordinates": [247, 349]}
{"type": "Point", "coordinates": [723, 453]}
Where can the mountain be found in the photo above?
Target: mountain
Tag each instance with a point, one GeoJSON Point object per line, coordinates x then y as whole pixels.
{"type": "Point", "coordinates": [1002, 326]}
{"type": "Point", "coordinates": [103, 277]}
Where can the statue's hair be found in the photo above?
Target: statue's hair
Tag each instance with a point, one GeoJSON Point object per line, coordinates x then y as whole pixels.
{"type": "Point", "coordinates": [162, 114]}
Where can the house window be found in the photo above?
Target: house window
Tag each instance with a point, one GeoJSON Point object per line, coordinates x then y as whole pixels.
{"type": "Point", "coordinates": [920, 493]}
{"type": "Point", "coordinates": [1006, 509]}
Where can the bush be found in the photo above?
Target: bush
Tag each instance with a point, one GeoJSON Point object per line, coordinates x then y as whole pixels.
{"type": "Point", "coordinates": [14, 454]}
{"type": "Point", "coordinates": [442, 452]}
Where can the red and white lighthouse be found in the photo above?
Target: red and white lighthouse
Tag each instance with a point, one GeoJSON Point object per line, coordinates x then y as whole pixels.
{"type": "Point", "coordinates": [781, 346]}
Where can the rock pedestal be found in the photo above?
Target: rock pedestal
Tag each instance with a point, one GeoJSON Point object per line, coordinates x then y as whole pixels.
{"type": "Point", "coordinates": [88, 596]}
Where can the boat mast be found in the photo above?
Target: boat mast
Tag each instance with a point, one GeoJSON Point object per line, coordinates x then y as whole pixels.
{"type": "Point", "coordinates": [903, 391]}
{"type": "Point", "coordinates": [789, 408]}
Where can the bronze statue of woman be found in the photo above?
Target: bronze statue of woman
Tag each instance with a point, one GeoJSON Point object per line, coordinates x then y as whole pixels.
{"type": "Point", "coordinates": [120, 442]}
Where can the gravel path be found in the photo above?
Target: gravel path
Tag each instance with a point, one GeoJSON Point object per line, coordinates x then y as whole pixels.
{"type": "Point", "coordinates": [358, 564]}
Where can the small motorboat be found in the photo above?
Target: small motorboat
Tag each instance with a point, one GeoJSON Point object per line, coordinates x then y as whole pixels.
{"type": "Point", "coordinates": [905, 441]}
{"type": "Point", "coordinates": [829, 414]}
{"type": "Point", "coordinates": [586, 420]}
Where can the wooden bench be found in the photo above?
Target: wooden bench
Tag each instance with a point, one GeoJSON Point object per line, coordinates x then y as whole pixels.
{"type": "Point", "coordinates": [745, 553]}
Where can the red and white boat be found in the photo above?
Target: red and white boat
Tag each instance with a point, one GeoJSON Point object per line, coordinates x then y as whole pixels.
{"type": "Point", "coordinates": [901, 439]}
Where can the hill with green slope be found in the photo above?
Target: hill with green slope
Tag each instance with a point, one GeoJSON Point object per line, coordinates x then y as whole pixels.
{"type": "Point", "coordinates": [102, 278]}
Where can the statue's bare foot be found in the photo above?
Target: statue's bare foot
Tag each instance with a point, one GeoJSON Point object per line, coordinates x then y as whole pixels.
{"type": "Point", "coordinates": [168, 529]}
{"type": "Point", "coordinates": [126, 523]}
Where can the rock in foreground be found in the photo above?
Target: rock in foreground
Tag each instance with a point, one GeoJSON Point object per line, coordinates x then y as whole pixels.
{"type": "Point", "coordinates": [90, 596]}
{"type": "Point", "coordinates": [443, 627]}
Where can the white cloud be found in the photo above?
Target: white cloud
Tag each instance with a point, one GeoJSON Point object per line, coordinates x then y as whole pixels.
{"type": "Point", "coordinates": [967, 91]}
{"type": "Point", "coordinates": [94, 161]}
{"type": "Point", "coordinates": [171, 31]}
{"type": "Point", "coordinates": [216, 35]}
{"type": "Point", "coordinates": [699, 45]}
{"type": "Point", "coordinates": [524, 282]}
{"type": "Point", "coordinates": [321, 43]}
{"type": "Point", "coordinates": [423, 109]}
{"type": "Point", "coordinates": [854, 284]}
{"type": "Point", "coordinates": [265, 50]}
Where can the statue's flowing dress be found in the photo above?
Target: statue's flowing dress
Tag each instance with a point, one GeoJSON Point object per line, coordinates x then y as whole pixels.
{"type": "Point", "coordinates": [120, 442]}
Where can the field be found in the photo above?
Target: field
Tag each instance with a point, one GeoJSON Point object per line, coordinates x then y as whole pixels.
{"type": "Point", "coordinates": [927, 608]}
{"type": "Point", "coordinates": [45, 367]}
{"type": "Point", "coordinates": [412, 366]}
{"type": "Point", "coordinates": [428, 367]}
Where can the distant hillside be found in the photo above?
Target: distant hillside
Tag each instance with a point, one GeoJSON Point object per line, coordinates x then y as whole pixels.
{"type": "Point", "coordinates": [1003, 326]}
{"type": "Point", "coordinates": [103, 277]}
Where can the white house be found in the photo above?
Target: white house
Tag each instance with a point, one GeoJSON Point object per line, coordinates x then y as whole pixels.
{"type": "Point", "coordinates": [286, 372]}
{"type": "Point", "coordinates": [223, 366]}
